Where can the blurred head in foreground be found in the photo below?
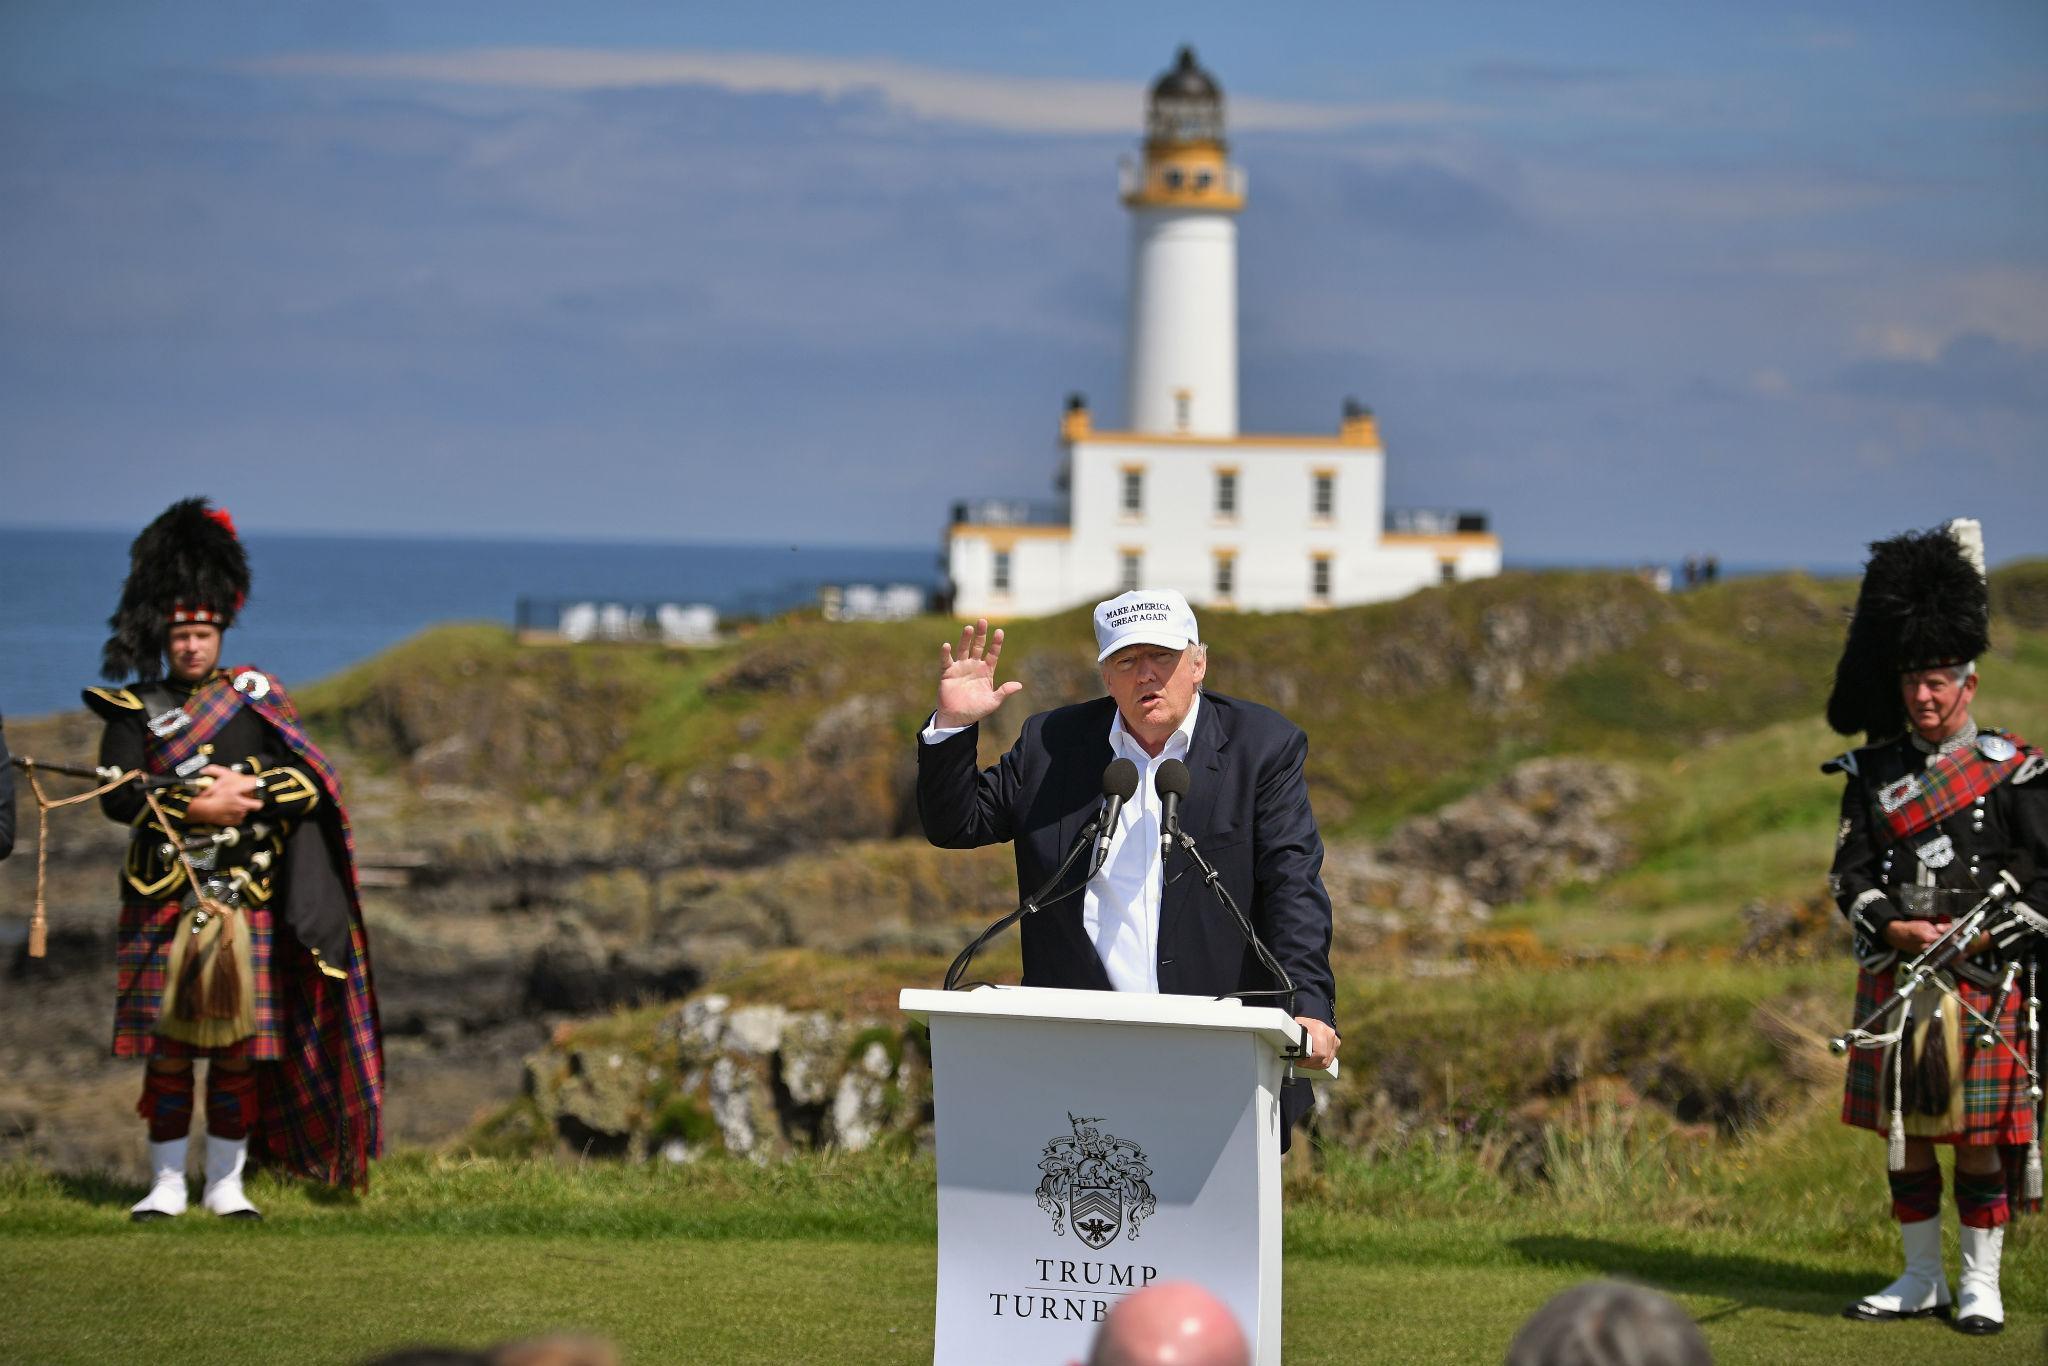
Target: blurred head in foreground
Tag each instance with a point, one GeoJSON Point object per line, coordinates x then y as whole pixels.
{"type": "Point", "coordinates": [1174, 1323]}
{"type": "Point", "coordinates": [557, 1351]}
{"type": "Point", "coordinates": [1608, 1323]}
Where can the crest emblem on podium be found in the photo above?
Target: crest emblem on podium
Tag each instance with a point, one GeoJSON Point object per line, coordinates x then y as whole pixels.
{"type": "Point", "coordinates": [1095, 1182]}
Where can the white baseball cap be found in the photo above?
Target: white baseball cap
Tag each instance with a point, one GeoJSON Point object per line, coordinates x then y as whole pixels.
{"type": "Point", "coordinates": [1150, 616]}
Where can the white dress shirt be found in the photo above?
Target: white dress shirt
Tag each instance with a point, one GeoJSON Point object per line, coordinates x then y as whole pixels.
{"type": "Point", "coordinates": [1120, 907]}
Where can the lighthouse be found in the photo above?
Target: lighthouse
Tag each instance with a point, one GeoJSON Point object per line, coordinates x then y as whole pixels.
{"type": "Point", "coordinates": [1179, 497]}
{"type": "Point", "coordinates": [1184, 197]}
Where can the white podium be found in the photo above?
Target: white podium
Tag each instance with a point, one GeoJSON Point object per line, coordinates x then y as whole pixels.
{"type": "Point", "coordinates": [1091, 1143]}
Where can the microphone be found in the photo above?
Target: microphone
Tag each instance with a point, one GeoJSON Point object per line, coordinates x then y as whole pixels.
{"type": "Point", "coordinates": [1171, 783]}
{"type": "Point", "coordinates": [1119, 785]}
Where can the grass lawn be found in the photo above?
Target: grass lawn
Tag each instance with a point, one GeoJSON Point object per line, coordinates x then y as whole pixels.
{"type": "Point", "coordinates": [831, 1261]}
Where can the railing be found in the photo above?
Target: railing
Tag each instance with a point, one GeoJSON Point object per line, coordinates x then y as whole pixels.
{"type": "Point", "coordinates": [1432, 521]}
{"type": "Point", "coordinates": [671, 623]}
{"type": "Point", "coordinates": [873, 601]}
{"type": "Point", "coordinates": [1130, 180]}
{"type": "Point", "coordinates": [1012, 512]}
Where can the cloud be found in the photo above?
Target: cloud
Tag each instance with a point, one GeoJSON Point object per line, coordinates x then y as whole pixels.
{"type": "Point", "coordinates": [1972, 370]}
{"type": "Point", "coordinates": [1427, 202]}
{"type": "Point", "coordinates": [1033, 104]}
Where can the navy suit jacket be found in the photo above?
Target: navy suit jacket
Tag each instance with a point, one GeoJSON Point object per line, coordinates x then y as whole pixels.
{"type": "Point", "coordinates": [1247, 810]}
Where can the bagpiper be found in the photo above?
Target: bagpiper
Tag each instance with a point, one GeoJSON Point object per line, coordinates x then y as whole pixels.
{"type": "Point", "coordinates": [1941, 866]}
{"type": "Point", "coordinates": [241, 935]}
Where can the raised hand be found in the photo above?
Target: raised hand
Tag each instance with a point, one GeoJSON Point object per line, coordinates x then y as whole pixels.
{"type": "Point", "coordinates": [967, 680]}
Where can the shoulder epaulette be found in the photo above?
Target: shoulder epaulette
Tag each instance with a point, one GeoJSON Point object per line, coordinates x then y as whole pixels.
{"type": "Point", "coordinates": [112, 703]}
{"type": "Point", "coordinates": [1852, 762]}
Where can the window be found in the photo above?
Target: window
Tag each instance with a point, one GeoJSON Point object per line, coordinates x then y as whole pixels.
{"type": "Point", "coordinates": [1319, 578]}
{"type": "Point", "coordinates": [1132, 575]}
{"type": "Point", "coordinates": [1203, 179]}
{"type": "Point", "coordinates": [1133, 499]}
{"type": "Point", "coordinates": [1173, 177]}
{"type": "Point", "coordinates": [1183, 408]}
{"type": "Point", "coordinates": [1447, 572]}
{"type": "Point", "coordinates": [1226, 575]}
{"type": "Point", "coordinates": [999, 575]}
{"type": "Point", "coordinates": [1226, 493]}
{"type": "Point", "coordinates": [1323, 495]}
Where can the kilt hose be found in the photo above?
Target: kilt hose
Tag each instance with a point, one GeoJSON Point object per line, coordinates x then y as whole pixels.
{"type": "Point", "coordinates": [320, 1108]}
{"type": "Point", "coordinates": [1996, 1107]}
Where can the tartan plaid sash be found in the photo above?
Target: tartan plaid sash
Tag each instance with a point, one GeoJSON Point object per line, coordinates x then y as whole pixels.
{"type": "Point", "coordinates": [211, 708]}
{"type": "Point", "coordinates": [214, 705]}
{"type": "Point", "coordinates": [1918, 800]}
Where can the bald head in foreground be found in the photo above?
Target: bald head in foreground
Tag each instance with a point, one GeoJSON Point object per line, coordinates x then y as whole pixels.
{"type": "Point", "coordinates": [1174, 1323]}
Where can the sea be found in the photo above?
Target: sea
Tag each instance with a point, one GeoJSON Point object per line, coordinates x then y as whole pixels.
{"type": "Point", "coordinates": [321, 603]}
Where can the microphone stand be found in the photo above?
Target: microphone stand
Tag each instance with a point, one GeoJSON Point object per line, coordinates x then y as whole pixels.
{"type": "Point", "coordinates": [1031, 903]}
{"type": "Point", "coordinates": [1265, 956]}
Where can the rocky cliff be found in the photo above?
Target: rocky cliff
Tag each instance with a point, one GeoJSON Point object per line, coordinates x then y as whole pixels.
{"type": "Point", "coordinates": [552, 833]}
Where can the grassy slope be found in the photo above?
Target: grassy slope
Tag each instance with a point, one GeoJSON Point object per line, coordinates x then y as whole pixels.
{"type": "Point", "coordinates": [1750, 817]}
{"type": "Point", "coordinates": [1396, 695]}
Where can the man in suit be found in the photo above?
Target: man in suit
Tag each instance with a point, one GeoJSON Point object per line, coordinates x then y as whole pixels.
{"type": "Point", "coordinates": [1139, 924]}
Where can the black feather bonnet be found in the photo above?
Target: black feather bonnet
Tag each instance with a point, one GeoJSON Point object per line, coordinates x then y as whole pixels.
{"type": "Point", "coordinates": [187, 566]}
{"type": "Point", "coordinates": [1923, 605]}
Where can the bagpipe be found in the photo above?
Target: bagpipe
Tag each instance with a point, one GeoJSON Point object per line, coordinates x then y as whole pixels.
{"type": "Point", "coordinates": [1954, 945]}
{"type": "Point", "coordinates": [195, 852]}
{"type": "Point", "coordinates": [2001, 918]}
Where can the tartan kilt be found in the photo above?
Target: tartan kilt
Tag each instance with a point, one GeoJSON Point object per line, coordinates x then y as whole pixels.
{"type": "Point", "coordinates": [1996, 1107]}
{"type": "Point", "coordinates": [323, 1105]}
{"type": "Point", "coordinates": [142, 949]}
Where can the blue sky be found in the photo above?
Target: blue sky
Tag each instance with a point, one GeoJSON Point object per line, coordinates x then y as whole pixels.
{"type": "Point", "coordinates": [1640, 279]}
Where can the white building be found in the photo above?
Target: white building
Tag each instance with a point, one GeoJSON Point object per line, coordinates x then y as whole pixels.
{"type": "Point", "coordinates": [1183, 499]}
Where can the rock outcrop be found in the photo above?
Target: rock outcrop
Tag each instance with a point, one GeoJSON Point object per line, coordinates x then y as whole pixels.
{"type": "Point", "coordinates": [1550, 823]}
{"type": "Point", "coordinates": [752, 1081]}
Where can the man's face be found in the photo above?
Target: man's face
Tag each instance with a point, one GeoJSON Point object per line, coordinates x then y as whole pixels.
{"type": "Point", "coordinates": [193, 651]}
{"type": "Point", "coordinates": [1935, 703]}
{"type": "Point", "coordinates": [1154, 686]}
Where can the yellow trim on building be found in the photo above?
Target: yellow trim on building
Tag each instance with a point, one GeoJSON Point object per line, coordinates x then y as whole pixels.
{"type": "Point", "coordinates": [1075, 424]}
{"type": "Point", "coordinates": [1451, 542]}
{"type": "Point", "coordinates": [1291, 441]}
{"type": "Point", "coordinates": [1361, 430]}
{"type": "Point", "coordinates": [1003, 537]}
{"type": "Point", "coordinates": [1204, 180]}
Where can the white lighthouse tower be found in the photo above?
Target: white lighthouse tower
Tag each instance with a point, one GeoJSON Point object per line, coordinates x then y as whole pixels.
{"type": "Point", "coordinates": [1184, 198]}
{"type": "Point", "coordinates": [1180, 498]}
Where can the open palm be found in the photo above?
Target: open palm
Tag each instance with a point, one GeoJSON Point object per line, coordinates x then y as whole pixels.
{"type": "Point", "coordinates": [968, 691]}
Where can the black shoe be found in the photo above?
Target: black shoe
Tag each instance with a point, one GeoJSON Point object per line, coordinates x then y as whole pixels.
{"type": "Point", "coordinates": [248, 1215]}
{"type": "Point", "coordinates": [146, 1216]}
{"type": "Point", "coordinates": [1977, 1326]}
{"type": "Point", "coordinates": [1864, 1312]}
